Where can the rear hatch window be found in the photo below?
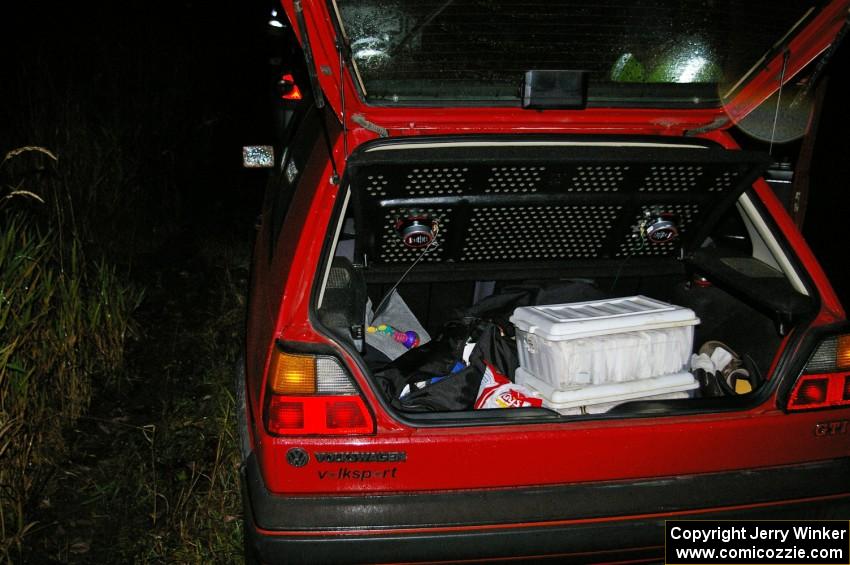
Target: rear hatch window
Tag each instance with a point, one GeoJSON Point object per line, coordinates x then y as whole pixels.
{"type": "Point", "coordinates": [449, 52]}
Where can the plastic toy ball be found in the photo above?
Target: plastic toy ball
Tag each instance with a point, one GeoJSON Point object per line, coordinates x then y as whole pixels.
{"type": "Point", "coordinates": [408, 339]}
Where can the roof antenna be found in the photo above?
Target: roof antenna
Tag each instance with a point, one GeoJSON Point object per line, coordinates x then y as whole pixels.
{"type": "Point", "coordinates": [785, 55]}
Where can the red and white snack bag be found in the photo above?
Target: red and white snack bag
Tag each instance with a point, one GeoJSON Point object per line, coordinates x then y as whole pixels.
{"type": "Point", "coordinates": [496, 391]}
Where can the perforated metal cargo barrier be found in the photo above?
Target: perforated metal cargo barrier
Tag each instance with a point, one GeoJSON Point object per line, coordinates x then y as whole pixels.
{"type": "Point", "coordinates": [543, 200]}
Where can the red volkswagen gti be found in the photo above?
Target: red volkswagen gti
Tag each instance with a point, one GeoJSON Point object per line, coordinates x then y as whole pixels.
{"type": "Point", "coordinates": [525, 284]}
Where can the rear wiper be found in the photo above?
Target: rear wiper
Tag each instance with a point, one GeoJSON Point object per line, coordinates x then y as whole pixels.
{"type": "Point", "coordinates": [425, 21]}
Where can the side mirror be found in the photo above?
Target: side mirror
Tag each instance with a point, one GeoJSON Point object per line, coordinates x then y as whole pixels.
{"type": "Point", "coordinates": [258, 156]}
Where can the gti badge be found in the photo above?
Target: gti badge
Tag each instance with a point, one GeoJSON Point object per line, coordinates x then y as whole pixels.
{"type": "Point", "coordinates": [297, 457]}
{"type": "Point", "coordinates": [833, 428]}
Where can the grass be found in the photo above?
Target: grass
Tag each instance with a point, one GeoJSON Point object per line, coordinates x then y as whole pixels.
{"type": "Point", "coordinates": [63, 322]}
{"type": "Point", "coordinates": [117, 432]}
{"type": "Point", "coordinates": [191, 490]}
{"type": "Point", "coordinates": [123, 287]}
{"type": "Point", "coordinates": [149, 472]}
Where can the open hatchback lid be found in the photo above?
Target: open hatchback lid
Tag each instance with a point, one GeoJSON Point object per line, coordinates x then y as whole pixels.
{"type": "Point", "coordinates": [450, 64]}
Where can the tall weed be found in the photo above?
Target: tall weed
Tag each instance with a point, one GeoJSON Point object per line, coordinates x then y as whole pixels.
{"type": "Point", "coordinates": [63, 323]}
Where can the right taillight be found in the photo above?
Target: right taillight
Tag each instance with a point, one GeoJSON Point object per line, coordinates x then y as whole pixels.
{"type": "Point", "coordinates": [825, 382]}
{"type": "Point", "coordinates": [313, 395]}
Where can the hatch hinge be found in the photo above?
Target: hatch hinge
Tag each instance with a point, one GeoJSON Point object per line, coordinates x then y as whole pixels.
{"type": "Point", "coordinates": [361, 120]}
{"type": "Point", "coordinates": [718, 123]}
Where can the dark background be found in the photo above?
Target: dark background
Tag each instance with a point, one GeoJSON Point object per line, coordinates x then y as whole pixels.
{"type": "Point", "coordinates": [180, 86]}
{"type": "Point", "coordinates": [826, 224]}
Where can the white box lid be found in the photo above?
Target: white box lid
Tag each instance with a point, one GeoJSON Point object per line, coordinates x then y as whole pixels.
{"type": "Point", "coordinates": [559, 322]}
{"type": "Point", "coordinates": [588, 395]}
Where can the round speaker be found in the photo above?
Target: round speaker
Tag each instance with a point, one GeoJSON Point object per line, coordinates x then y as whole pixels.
{"type": "Point", "coordinates": [415, 232]}
{"type": "Point", "coordinates": [661, 228]}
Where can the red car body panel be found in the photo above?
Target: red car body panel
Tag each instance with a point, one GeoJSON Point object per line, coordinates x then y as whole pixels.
{"type": "Point", "coordinates": [526, 454]}
{"type": "Point", "coordinates": [489, 457]}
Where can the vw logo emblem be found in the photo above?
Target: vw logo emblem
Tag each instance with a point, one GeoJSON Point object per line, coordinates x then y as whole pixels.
{"type": "Point", "coordinates": [297, 457]}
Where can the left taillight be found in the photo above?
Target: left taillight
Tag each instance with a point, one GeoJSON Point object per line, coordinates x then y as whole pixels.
{"type": "Point", "coordinates": [825, 382]}
{"type": "Point", "coordinates": [313, 395]}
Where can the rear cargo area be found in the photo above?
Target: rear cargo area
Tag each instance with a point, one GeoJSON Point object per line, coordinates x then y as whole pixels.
{"type": "Point", "coordinates": [575, 276]}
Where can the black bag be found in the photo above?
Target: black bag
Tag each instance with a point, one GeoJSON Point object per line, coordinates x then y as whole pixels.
{"type": "Point", "coordinates": [457, 391]}
{"type": "Point", "coordinates": [498, 308]}
{"type": "Point", "coordinates": [437, 358]}
{"type": "Point", "coordinates": [426, 362]}
{"type": "Point", "coordinates": [496, 348]}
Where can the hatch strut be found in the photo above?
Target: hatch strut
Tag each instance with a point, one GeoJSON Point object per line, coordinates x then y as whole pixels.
{"type": "Point", "coordinates": [825, 58]}
{"type": "Point", "coordinates": [308, 55]}
{"type": "Point", "coordinates": [318, 95]}
{"type": "Point", "coordinates": [339, 49]}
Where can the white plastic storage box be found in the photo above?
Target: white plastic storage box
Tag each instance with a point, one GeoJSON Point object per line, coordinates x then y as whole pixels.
{"type": "Point", "coordinates": [596, 399]}
{"type": "Point", "coordinates": [603, 341]}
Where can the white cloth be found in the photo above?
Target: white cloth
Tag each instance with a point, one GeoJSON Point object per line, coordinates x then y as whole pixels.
{"type": "Point", "coordinates": [704, 362]}
{"type": "Point", "coordinates": [720, 357]}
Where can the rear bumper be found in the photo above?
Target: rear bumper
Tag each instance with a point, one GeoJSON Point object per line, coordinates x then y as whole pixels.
{"type": "Point", "coordinates": [608, 521]}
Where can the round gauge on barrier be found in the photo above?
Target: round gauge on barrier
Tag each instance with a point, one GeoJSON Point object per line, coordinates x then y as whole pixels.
{"type": "Point", "coordinates": [661, 228]}
{"type": "Point", "coordinates": [415, 232]}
